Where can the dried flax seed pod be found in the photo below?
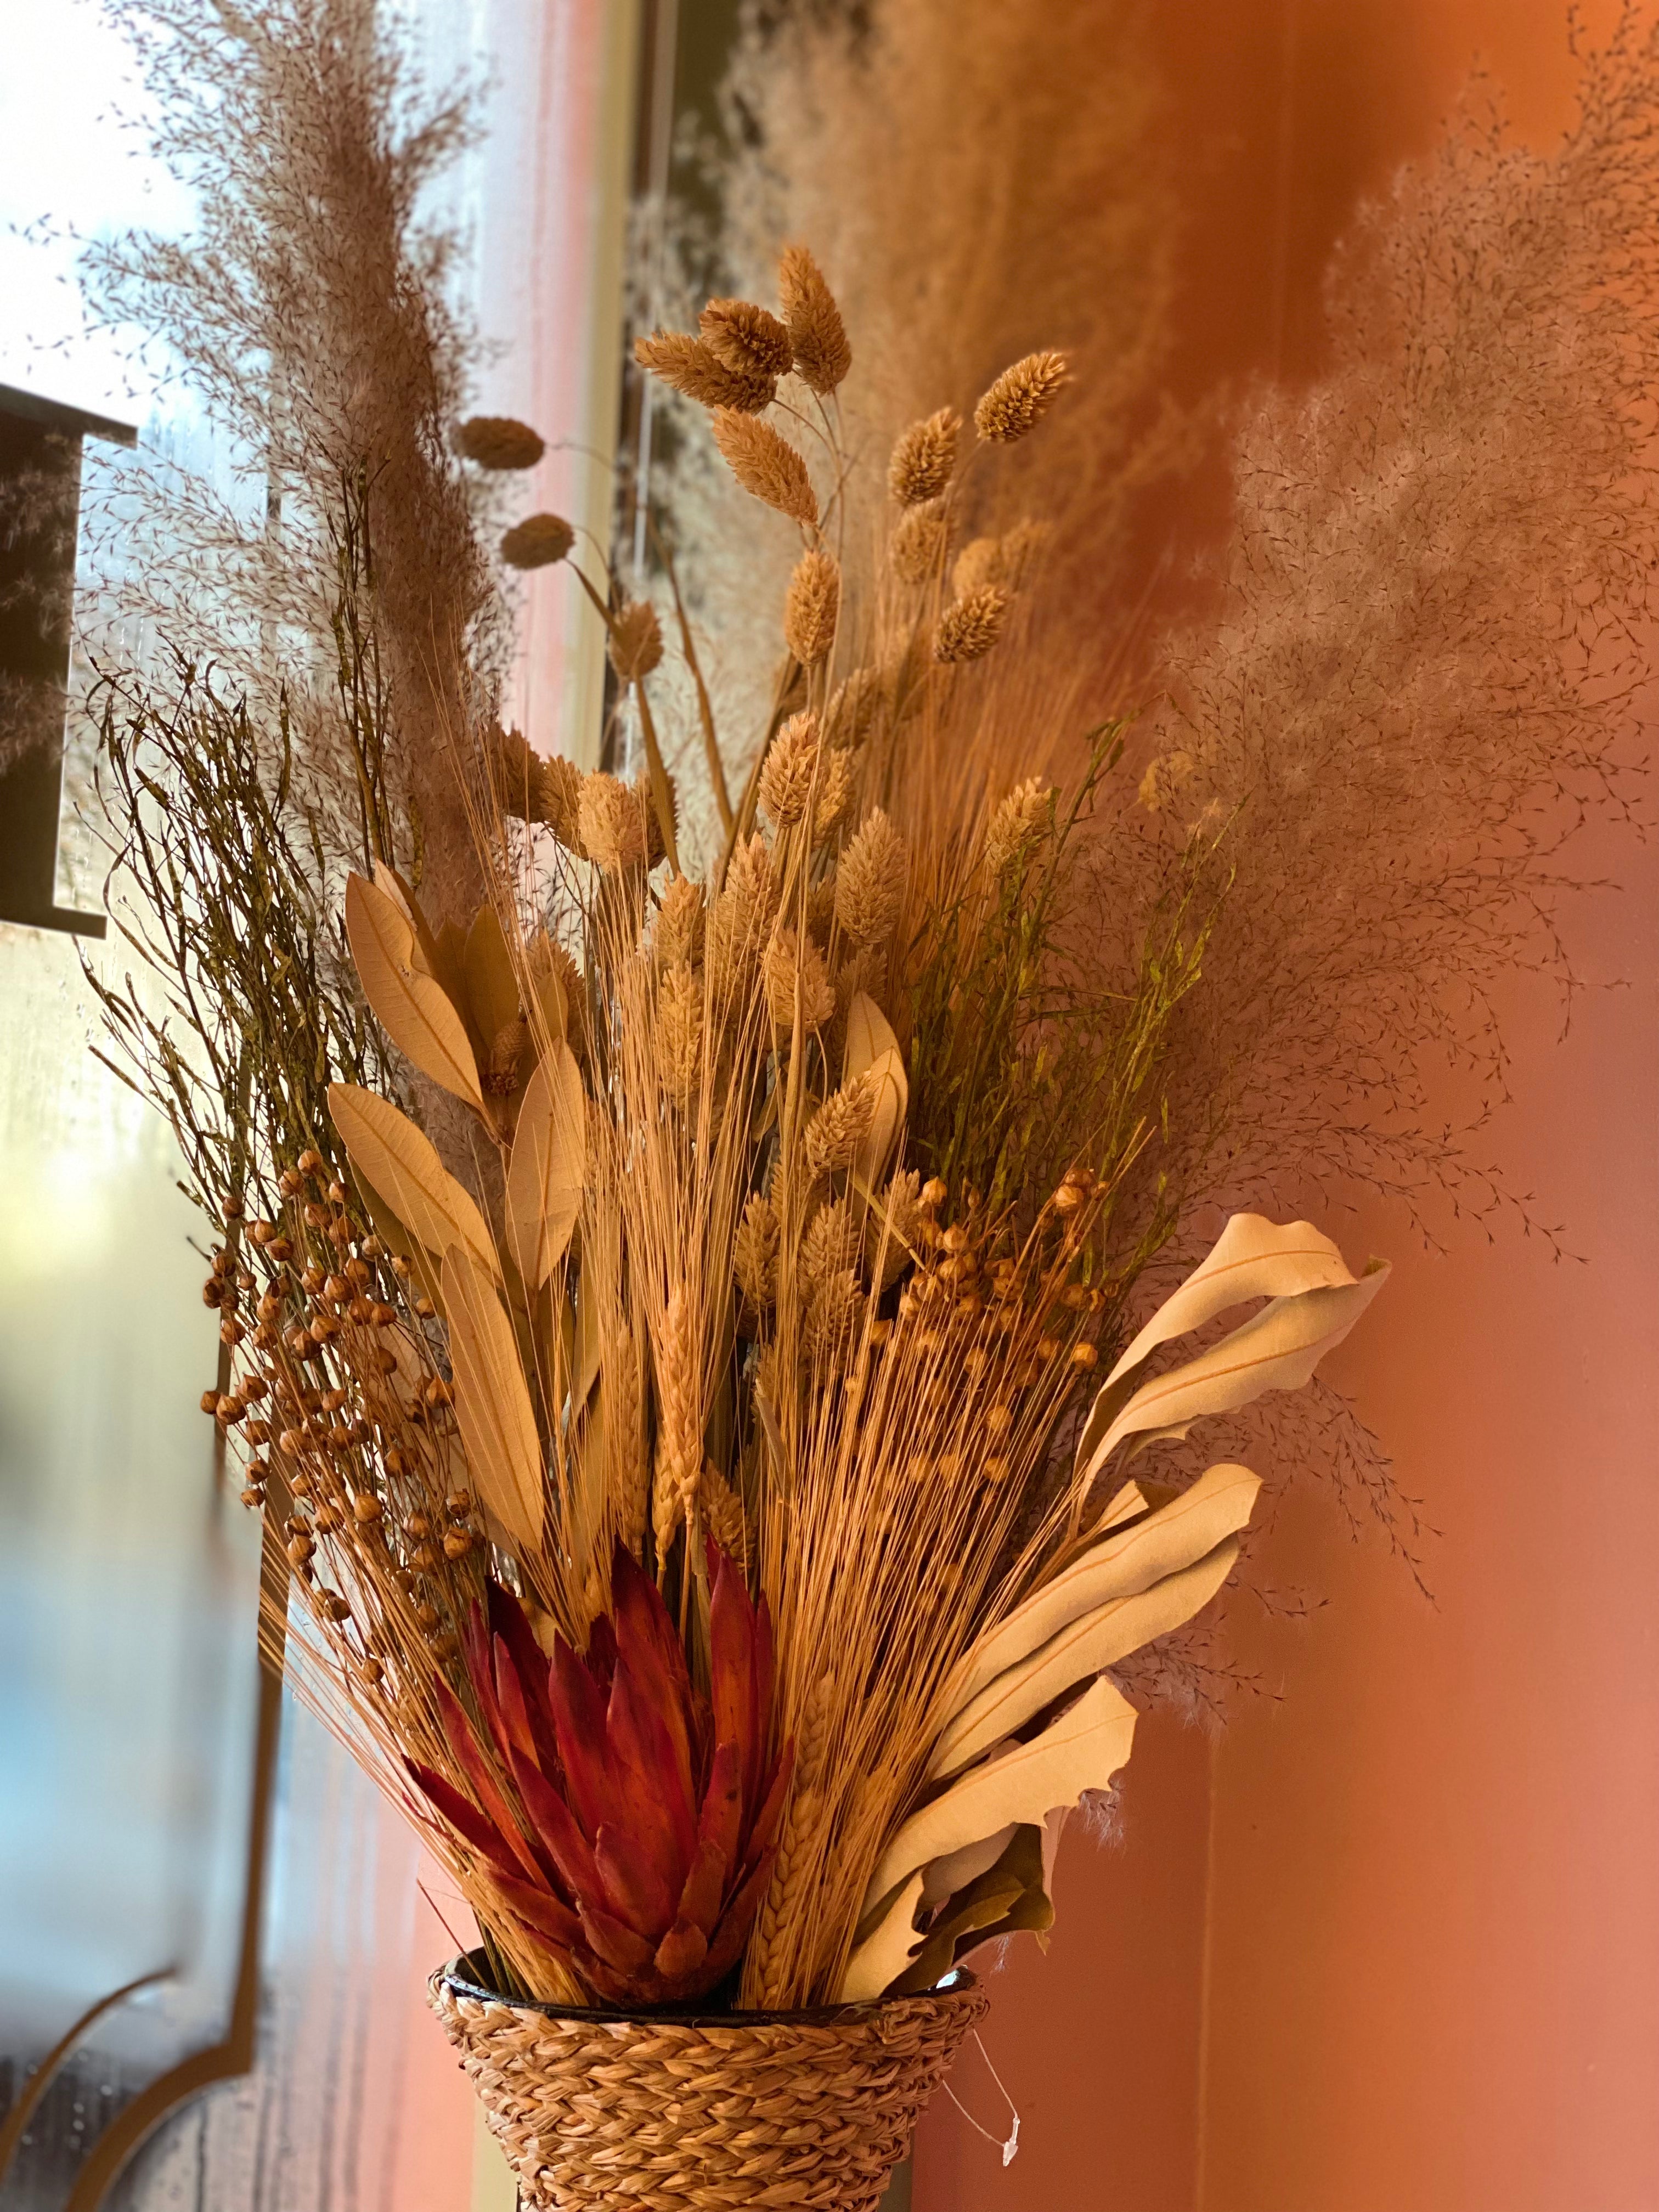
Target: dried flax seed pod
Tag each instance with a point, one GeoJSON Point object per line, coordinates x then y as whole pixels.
{"type": "Point", "coordinates": [786, 776]}
{"type": "Point", "coordinates": [635, 647]}
{"type": "Point", "coordinates": [817, 334]}
{"type": "Point", "coordinates": [690, 366]}
{"type": "Point", "coordinates": [538, 542]}
{"type": "Point", "coordinates": [812, 607]}
{"type": "Point", "coordinates": [870, 880]}
{"type": "Point", "coordinates": [924, 458]}
{"type": "Point", "coordinates": [968, 629]}
{"type": "Point", "coordinates": [766, 465]}
{"type": "Point", "coordinates": [497, 441]}
{"type": "Point", "coordinates": [1019, 396]}
{"type": "Point", "coordinates": [745, 338]}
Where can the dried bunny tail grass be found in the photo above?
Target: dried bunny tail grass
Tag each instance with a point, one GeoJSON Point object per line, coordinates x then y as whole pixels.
{"type": "Point", "coordinates": [811, 607]}
{"type": "Point", "coordinates": [722, 1511]}
{"type": "Point", "coordinates": [755, 1253]}
{"type": "Point", "coordinates": [1020, 397]}
{"type": "Point", "coordinates": [740, 920]}
{"type": "Point", "coordinates": [767, 465]}
{"type": "Point", "coordinates": [830, 1247]}
{"type": "Point", "coordinates": [870, 880]}
{"type": "Point", "coordinates": [1402, 704]}
{"type": "Point", "coordinates": [840, 1126]}
{"type": "Point", "coordinates": [679, 1435]}
{"type": "Point", "coordinates": [561, 795]}
{"type": "Point", "coordinates": [1020, 820]}
{"type": "Point", "coordinates": [610, 819]}
{"type": "Point", "coordinates": [816, 332]}
{"type": "Point", "coordinates": [690, 366]}
{"type": "Point", "coordinates": [789, 967]}
{"type": "Point", "coordinates": [925, 459]}
{"type": "Point", "coordinates": [498, 442]}
{"type": "Point", "coordinates": [838, 775]}
{"type": "Point", "coordinates": [968, 629]}
{"type": "Point", "coordinates": [1007, 562]}
{"type": "Point", "coordinates": [538, 542]}
{"type": "Point", "coordinates": [681, 920]}
{"type": "Point", "coordinates": [635, 647]}
{"type": "Point", "coordinates": [679, 1033]}
{"type": "Point", "coordinates": [746, 339]}
{"type": "Point", "coordinates": [854, 707]}
{"type": "Point", "coordinates": [917, 548]}
{"type": "Point", "coordinates": [787, 774]}
{"type": "Point", "coordinates": [892, 1235]}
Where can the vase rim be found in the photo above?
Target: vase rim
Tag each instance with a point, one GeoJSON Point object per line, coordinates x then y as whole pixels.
{"type": "Point", "coordinates": [465, 1974]}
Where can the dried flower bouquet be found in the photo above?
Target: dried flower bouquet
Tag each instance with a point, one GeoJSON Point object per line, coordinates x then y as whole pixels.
{"type": "Point", "coordinates": [712, 1517]}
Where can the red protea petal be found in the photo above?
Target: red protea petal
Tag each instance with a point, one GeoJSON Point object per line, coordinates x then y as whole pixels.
{"type": "Point", "coordinates": [600, 1659]}
{"type": "Point", "coordinates": [638, 1607]}
{"type": "Point", "coordinates": [512, 1705]}
{"type": "Point", "coordinates": [457, 1729]}
{"type": "Point", "coordinates": [579, 1718]}
{"type": "Point", "coordinates": [681, 1952]}
{"type": "Point", "coordinates": [732, 1669]}
{"type": "Point", "coordinates": [705, 1887]}
{"type": "Point", "coordinates": [763, 1834]}
{"type": "Point", "coordinates": [720, 1819]}
{"type": "Point", "coordinates": [543, 1912]}
{"type": "Point", "coordinates": [763, 1671]}
{"type": "Point", "coordinates": [557, 1829]}
{"type": "Point", "coordinates": [476, 1650]}
{"type": "Point", "coordinates": [464, 1816]}
{"type": "Point", "coordinates": [646, 1640]}
{"type": "Point", "coordinates": [729, 1938]}
{"type": "Point", "coordinates": [656, 1809]}
{"type": "Point", "coordinates": [611, 1942]}
{"type": "Point", "coordinates": [632, 1887]}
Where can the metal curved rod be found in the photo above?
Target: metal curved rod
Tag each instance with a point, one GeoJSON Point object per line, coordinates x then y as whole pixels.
{"type": "Point", "coordinates": [41, 2080]}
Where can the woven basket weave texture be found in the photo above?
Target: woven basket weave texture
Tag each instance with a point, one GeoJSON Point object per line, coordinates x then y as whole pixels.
{"type": "Point", "coordinates": [667, 2116]}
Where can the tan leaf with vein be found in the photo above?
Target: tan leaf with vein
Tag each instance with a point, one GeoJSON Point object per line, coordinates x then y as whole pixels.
{"type": "Point", "coordinates": [873, 1047]}
{"type": "Point", "coordinates": [1081, 1750]}
{"type": "Point", "coordinates": [492, 1401]}
{"type": "Point", "coordinates": [1082, 1647]}
{"type": "Point", "coordinates": [397, 1161]}
{"type": "Point", "coordinates": [411, 1004]}
{"type": "Point", "coordinates": [1120, 1566]}
{"type": "Point", "coordinates": [549, 1165]}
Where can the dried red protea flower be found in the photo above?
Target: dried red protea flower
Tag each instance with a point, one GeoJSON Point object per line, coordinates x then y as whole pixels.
{"type": "Point", "coordinates": [642, 1825]}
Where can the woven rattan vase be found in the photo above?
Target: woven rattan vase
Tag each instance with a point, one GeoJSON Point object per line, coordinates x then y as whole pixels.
{"type": "Point", "coordinates": [683, 2113]}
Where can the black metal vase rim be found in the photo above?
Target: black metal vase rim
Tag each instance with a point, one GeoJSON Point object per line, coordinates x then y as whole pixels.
{"type": "Point", "coordinates": [467, 1976]}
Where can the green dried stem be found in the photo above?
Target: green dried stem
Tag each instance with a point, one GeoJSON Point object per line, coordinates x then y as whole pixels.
{"type": "Point", "coordinates": [245, 1011]}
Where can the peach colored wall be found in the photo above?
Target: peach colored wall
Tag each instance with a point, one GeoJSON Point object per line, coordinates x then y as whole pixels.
{"type": "Point", "coordinates": [1423, 1972]}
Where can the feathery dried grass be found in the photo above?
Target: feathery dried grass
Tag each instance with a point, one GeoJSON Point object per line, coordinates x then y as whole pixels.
{"type": "Point", "coordinates": [1427, 664]}
{"type": "Point", "coordinates": [310, 313]}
